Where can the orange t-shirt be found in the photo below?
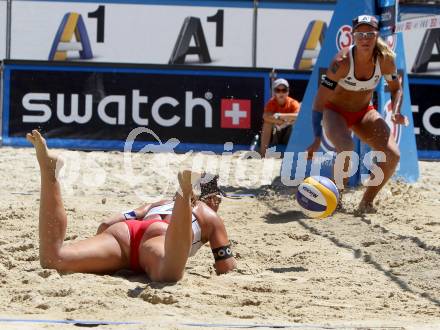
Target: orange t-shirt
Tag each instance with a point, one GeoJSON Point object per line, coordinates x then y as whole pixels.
{"type": "Point", "coordinates": [291, 106]}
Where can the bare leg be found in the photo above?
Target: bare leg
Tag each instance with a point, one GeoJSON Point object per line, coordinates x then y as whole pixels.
{"type": "Point", "coordinates": [171, 252]}
{"type": "Point", "coordinates": [53, 219]}
{"type": "Point", "coordinates": [374, 131]}
{"type": "Point", "coordinates": [178, 239]}
{"type": "Point", "coordinates": [98, 254]}
{"type": "Point", "coordinates": [266, 134]}
{"type": "Point", "coordinates": [341, 139]}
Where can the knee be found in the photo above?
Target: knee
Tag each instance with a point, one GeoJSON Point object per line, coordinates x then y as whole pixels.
{"type": "Point", "coordinates": [345, 144]}
{"type": "Point", "coordinates": [390, 154]}
{"type": "Point", "coordinates": [52, 262]}
{"type": "Point", "coordinates": [49, 263]}
{"type": "Point", "coordinates": [341, 142]}
{"type": "Point", "coordinates": [393, 155]}
{"type": "Point", "coordinates": [172, 278]}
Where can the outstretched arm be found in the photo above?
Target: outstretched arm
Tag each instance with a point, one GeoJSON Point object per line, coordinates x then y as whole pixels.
{"type": "Point", "coordinates": [221, 248]}
{"type": "Point", "coordinates": [393, 80]}
{"type": "Point", "coordinates": [138, 213]}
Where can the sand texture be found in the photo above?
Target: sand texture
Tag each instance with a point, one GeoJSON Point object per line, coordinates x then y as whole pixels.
{"type": "Point", "coordinates": [376, 270]}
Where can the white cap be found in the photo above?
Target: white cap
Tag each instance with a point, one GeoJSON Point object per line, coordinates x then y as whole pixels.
{"type": "Point", "coordinates": [280, 82]}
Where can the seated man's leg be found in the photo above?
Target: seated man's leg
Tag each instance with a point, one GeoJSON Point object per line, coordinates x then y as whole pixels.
{"type": "Point", "coordinates": [284, 135]}
{"type": "Point", "coordinates": [266, 135]}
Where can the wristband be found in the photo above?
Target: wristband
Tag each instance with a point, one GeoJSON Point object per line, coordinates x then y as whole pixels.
{"type": "Point", "coordinates": [328, 83]}
{"type": "Point", "coordinates": [316, 122]}
{"type": "Point", "coordinates": [276, 115]}
{"type": "Point", "coordinates": [222, 253]}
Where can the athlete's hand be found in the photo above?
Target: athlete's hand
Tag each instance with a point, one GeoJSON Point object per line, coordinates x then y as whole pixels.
{"type": "Point", "coordinates": [400, 119]}
{"type": "Point", "coordinates": [314, 147]}
{"type": "Point", "coordinates": [141, 211]}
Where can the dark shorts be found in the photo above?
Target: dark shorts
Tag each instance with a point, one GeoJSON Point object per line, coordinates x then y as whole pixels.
{"type": "Point", "coordinates": [282, 136]}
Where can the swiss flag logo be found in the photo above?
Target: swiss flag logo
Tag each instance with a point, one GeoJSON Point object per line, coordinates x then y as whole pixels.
{"type": "Point", "coordinates": [236, 113]}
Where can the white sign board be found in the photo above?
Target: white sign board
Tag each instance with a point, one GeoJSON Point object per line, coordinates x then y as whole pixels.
{"type": "Point", "coordinates": [2, 29]}
{"type": "Point", "coordinates": [280, 32]}
{"type": "Point", "coordinates": [414, 30]}
{"type": "Point", "coordinates": [145, 33]}
{"type": "Point", "coordinates": [132, 33]}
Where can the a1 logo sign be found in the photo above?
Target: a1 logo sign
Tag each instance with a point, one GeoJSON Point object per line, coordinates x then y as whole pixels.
{"type": "Point", "coordinates": [235, 113]}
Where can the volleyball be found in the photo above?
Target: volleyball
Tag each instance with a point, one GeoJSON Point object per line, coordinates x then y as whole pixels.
{"type": "Point", "coordinates": [317, 196]}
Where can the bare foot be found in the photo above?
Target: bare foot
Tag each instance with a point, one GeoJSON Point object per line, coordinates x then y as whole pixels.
{"type": "Point", "coordinates": [365, 208]}
{"type": "Point", "coordinates": [187, 180]}
{"type": "Point", "coordinates": [48, 160]}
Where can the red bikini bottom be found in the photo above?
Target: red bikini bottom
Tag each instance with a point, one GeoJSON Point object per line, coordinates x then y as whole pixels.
{"type": "Point", "coordinates": [351, 118]}
{"type": "Point", "coordinates": [137, 228]}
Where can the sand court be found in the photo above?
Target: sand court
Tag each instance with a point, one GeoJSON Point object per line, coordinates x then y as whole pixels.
{"type": "Point", "coordinates": [377, 270]}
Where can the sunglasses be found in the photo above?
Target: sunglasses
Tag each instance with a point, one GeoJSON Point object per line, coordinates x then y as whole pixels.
{"type": "Point", "coordinates": [365, 35]}
{"type": "Point", "coordinates": [281, 90]}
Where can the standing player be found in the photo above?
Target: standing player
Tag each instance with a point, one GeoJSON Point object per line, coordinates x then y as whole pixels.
{"type": "Point", "coordinates": [344, 98]}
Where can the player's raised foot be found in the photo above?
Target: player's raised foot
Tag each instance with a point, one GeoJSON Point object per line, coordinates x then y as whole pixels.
{"type": "Point", "coordinates": [365, 208]}
{"type": "Point", "coordinates": [48, 160]}
{"type": "Point", "coordinates": [187, 179]}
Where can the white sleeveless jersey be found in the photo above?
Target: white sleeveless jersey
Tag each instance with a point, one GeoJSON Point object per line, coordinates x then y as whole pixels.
{"type": "Point", "coordinates": [197, 231]}
{"type": "Point", "coordinates": [350, 82]}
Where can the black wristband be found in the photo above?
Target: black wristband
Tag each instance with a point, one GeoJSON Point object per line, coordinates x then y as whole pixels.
{"type": "Point", "coordinates": [222, 253]}
{"type": "Point", "coordinates": [327, 82]}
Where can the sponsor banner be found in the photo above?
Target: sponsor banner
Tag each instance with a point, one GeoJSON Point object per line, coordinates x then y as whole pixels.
{"type": "Point", "coordinates": [288, 36]}
{"type": "Point", "coordinates": [98, 107]}
{"type": "Point", "coordinates": [2, 30]}
{"type": "Point", "coordinates": [426, 111]}
{"type": "Point", "coordinates": [420, 23]}
{"type": "Point", "coordinates": [132, 33]}
{"type": "Point", "coordinates": [421, 37]}
{"type": "Point", "coordinates": [387, 11]}
{"type": "Point", "coordinates": [425, 107]}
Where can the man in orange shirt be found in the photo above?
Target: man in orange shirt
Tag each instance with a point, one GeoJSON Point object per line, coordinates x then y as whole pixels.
{"type": "Point", "coordinates": [279, 115]}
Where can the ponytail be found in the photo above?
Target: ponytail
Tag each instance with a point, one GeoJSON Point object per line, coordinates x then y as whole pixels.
{"type": "Point", "coordinates": [383, 50]}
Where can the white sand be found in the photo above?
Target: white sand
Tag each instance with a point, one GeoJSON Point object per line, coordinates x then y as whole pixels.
{"type": "Point", "coordinates": [379, 270]}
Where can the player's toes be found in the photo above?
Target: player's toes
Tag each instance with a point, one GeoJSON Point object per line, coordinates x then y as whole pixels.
{"type": "Point", "coordinates": [38, 137]}
{"type": "Point", "coordinates": [30, 138]}
{"type": "Point", "coordinates": [188, 179]}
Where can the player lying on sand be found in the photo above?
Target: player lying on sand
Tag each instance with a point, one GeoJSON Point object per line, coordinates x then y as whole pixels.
{"type": "Point", "coordinates": [159, 245]}
{"type": "Point", "coordinates": [343, 103]}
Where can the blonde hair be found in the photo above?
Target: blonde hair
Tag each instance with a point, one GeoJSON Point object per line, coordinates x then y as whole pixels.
{"type": "Point", "coordinates": [382, 49]}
